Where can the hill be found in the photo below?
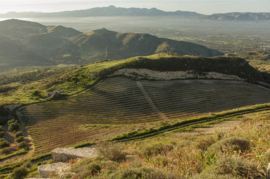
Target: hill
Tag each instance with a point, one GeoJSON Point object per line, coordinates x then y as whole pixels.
{"type": "Point", "coordinates": [145, 97]}
{"type": "Point", "coordinates": [111, 45]}
{"type": "Point", "coordinates": [30, 43]}
{"type": "Point", "coordinates": [118, 11]}
{"type": "Point", "coordinates": [84, 77]}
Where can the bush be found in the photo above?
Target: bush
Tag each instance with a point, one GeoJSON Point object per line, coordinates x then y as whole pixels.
{"type": "Point", "coordinates": [19, 139]}
{"type": "Point", "coordinates": [203, 144]}
{"type": "Point", "coordinates": [22, 145]}
{"type": "Point", "coordinates": [19, 173]}
{"type": "Point", "coordinates": [160, 161]}
{"type": "Point", "coordinates": [18, 134]}
{"type": "Point", "coordinates": [143, 173]}
{"type": "Point", "coordinates": [2, 129]}
{"type": "Point", "coordinates": [4, 144]}
{"type": "Point", "coordinates": [5, 151]}
{"type": "Point", "coordinates": [230, 145]}
{"type": "Point", "coordinates": [235, 167]}
{"type": "Point", "coordinates": [27, 165]}
{"type": "Point", "coordinates": [2, 134]}
{"type": "Point", "coordinates": [152, 150]}
{"type": "Point", "coordinates": [93, 168]}
{"type": "Point", "coordinates": [14, 126]}
{"type": "Point", "coordinates": [113, 152]}
{"type": "Point", "coordinates": [11, 121]}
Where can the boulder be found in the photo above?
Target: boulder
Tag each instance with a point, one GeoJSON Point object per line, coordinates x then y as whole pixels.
{"type": "Point", "coordinates": [65, 154]}
{"type": "Point", "coordinates": [45, 171]}
{"type": "Point", "coordinates": [268, 169]}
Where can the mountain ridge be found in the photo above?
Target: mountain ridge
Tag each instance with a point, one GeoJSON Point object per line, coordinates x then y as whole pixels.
{"type": "Point", "coordinates": [33, 43]}
{"type": "Point", "coordinates": [119, 11]}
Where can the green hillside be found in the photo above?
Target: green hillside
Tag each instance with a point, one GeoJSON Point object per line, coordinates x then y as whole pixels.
{"type": "Point", "coordinates": [82, 78]}
{"type": "Point", "coordinates": [31, 44]}
{"type": "Point", "coordinates": [105, 44]}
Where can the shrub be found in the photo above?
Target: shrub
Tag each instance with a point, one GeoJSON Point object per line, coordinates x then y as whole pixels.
{"type": "Point", "coordinates": [2, 129]}
{"type": "Point", "coordinates": [12, 121]}
{"type": "Point", "coordinates": [18, 134]}
{"type": "Point", "coordinates": [235, 167]}
{"type": "Point", "coordinates": [19, 173]}
{"type": "Point", "coordinates": [93, 168]}
{"type": "Point", "coordinates": [143, 173]}
{"type": "Point", "coordinates": [28, 165]}
{"type": "Point", "coordinates": [22, 145]}
{"type": "Point", "coordinates": [2, 133]}
{"type": "Point", "coordinates": [19, 139]}
{"type": "Point", "coordinates": [152, 150]}
{"type": "Point", "coordinates": [160, 161]}
{"type": "Point", "coordinates": [5, 151]}
{"type": "Point", "coordinates": [230, 145]}
{"type": "Point", "coordinates": [204, 143]}
{"type": "Point", "coordinates": [13, 126]}
{"type": "Point", "coordinates": [4, 144]}
{"type": "Point", "coordinates": [113, 152]}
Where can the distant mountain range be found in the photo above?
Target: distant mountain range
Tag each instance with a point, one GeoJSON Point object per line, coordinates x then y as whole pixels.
{"type": "Point", "coordinates": [117, 11]}
{"type": "Point", "coordinates": [24, 43]}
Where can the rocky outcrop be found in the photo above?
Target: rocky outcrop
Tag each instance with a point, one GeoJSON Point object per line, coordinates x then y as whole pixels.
{"type": "Point", "coordinates": [171, 75]}
{"type": "Point", "coordinates": [66, 154]}
{"type": "Point", "coordinates": [55, 168]}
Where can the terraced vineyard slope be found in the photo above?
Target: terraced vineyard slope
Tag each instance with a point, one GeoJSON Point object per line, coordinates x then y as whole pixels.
{"type": "Point", "coordinates": [118, 101]}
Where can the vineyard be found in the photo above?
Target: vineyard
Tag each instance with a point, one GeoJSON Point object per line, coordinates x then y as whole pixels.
{"type": "Point", "coordinates": [119, 101]}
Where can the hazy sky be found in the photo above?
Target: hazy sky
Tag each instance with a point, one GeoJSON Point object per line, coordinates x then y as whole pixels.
{"type": "Point", "coordinates": [200, 6]}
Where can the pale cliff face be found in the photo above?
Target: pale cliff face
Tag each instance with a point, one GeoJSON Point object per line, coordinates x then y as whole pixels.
{"type": "Point", "coordinates": [172, 75]}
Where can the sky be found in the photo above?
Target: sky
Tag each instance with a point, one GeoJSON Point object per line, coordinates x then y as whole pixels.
{"type": "Point", "coordinates": [200, 6]}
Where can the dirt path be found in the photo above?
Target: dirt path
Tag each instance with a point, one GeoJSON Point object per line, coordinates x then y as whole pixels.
{"type": "Point", "coordinates": [149, 100]}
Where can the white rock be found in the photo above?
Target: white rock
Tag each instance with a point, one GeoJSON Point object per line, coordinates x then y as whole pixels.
{"type": "Point", "coordinates": [65, 154]}
{"type": "Point", "coordinates": [171, 75]}
{"type": "Point", "coordinates": [44, 171]}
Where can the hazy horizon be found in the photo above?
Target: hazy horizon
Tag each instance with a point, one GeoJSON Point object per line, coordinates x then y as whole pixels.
{"type": "Point", "coordinates": [199, 6]}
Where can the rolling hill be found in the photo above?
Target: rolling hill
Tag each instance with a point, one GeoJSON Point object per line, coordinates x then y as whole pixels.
{"type": "Point", "coordinates": [33, 44]}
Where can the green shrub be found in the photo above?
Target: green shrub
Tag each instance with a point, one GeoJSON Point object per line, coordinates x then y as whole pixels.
{"type": "Point", "coordinates": [93, 168]}
{"type": "Point", "coordinates": [204, 143]}
{"type": "Point", "coordinates": [5, 151]}
{"type": "Point", "coordinates": [18, 134]}
{"type": "Point", "coordinates": [19, 173]}
{"type": "Point", "coordinates": [230, 145]}
{"type": "Point", "coordinates": [11, 121]}
{"type": "Point", "coordinates": [113, 152]}
{"type": "Point", "coordinates": [152, 150]}
{"type": "Point", "coordinates": [160, 161]}
{"type": "Point", "coordinates": [19, 139]}
{"type": "Point", "coordinates": [235, 167]}
{"type": "Point", "coordinates": [13, 126]}
{"type": "Point", "coordinates": [28, 165]}
{"type": "Point", "coordinates": [2, 133]}
{"type": "Point", "coordinates": [4, 144]}
{"type": "Point", "coordinates": [143, 173]}
{"type": "Point", "coordinates": [2, 129]}
{"type": "Point", "coordinates": [22, 145]}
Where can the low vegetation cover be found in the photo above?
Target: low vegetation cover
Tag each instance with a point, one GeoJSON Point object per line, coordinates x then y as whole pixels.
{"type": "Point", "coordinates": [240, 152]}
